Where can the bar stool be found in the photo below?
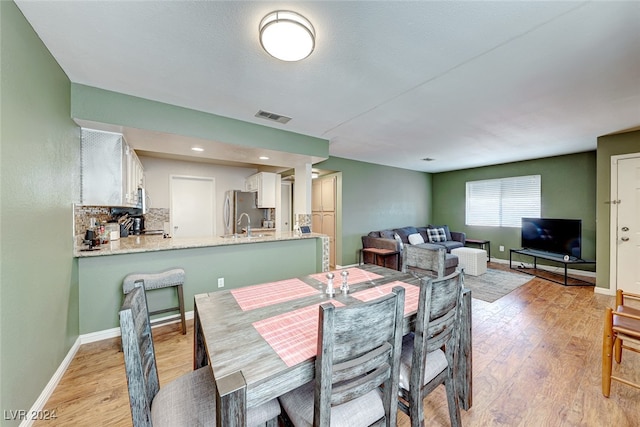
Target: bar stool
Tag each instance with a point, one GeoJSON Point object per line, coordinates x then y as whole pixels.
{"type": "Point", "coordinates": [166, 279]}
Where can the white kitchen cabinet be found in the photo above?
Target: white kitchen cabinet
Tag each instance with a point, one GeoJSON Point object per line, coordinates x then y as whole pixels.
{"type": "Point", "coordinates": [111, 172]}
{"type": "Point", "coordinates": [264, 183]}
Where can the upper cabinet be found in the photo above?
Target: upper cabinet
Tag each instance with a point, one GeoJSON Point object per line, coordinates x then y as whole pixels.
{"type": "Point", "coordinates": [264, 183]}
{"type": "Point", "coordinates": [111, 172]}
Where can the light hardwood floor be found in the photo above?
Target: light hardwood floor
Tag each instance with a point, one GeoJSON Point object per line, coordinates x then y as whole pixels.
{"type": "Point", "coordinates": [536, 362]}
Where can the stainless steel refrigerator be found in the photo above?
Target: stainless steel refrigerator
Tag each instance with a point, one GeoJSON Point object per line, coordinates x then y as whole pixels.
{"type": "Point", "coordinates": [237, 202]}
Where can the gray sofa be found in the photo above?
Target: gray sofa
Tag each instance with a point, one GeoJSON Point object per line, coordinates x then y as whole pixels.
{"type": "Point", "coordinates": [433, 236]}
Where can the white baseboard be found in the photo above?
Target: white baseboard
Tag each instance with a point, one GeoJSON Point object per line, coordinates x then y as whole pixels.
{"type": "Point", "coordinates": [40, 403]}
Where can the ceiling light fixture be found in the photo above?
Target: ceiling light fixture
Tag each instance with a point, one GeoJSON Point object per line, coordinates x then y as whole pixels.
{"type": "Point", "coordinates": [198, 149]}
{"type": "Point", "coordinates": [263, 158]}
{"type": "Point", "coordinates": [287, 36]}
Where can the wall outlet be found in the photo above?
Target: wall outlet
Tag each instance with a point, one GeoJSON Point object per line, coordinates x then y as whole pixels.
{"type": "Point", "coordinates": [501, 248]}
{"type": "Point", "coordinates": [221, 282]}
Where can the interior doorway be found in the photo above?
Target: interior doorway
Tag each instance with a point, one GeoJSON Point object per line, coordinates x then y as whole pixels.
{"type": "Point", "coordinates": [284, 213]}
{"type": "Point", "coordinates": [323, 212]}
{"type": "Point", "coordinates": [625, 223]}
{"type": "Point", "coordinates": [192, 202]}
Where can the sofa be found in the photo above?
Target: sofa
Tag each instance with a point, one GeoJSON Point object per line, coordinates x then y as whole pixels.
{"type": "Point", "coordinates": [428, 237]}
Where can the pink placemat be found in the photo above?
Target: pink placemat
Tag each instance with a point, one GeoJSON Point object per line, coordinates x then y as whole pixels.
{"type": "Point", "coordinates": [293, 335]}
{"type": "Point", "coordinates": [252, 297]}
{"type": "Point", "coordinates": [411, 294]}
{"type": "Point", "coordinates": [356, 275]}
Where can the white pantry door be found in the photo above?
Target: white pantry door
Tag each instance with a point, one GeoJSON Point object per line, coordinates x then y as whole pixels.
{"type": "Point", "coordinates": [628, 225]}
{"type": "Point", "coordinates": [192, 206]}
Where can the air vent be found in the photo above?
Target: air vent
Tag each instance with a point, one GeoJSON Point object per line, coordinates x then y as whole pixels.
{"type": "Point", "coordinates": [273, 117]}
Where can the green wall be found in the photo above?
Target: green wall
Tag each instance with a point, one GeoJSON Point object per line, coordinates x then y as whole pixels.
{"type": "Point", "coordinates": [375, 197]}
{"type": "Point", "coordinates": [610, 145]}
{"type": "Point", "coordinates": [39, 166]}
{"type": "Point", "coordinates": [567, 187]}
{"type": "Point", "coordinates": [103, 106]}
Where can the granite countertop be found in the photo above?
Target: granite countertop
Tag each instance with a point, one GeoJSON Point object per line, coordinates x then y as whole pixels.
{"type": "Point", "coordinates": [150, 243]}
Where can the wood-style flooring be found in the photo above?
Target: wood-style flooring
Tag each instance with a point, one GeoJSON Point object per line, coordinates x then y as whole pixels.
{"type": "Point", "coordinates": [536, 362]}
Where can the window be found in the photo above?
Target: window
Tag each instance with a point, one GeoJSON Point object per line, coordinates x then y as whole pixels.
{"type": "Point", "coordinates": [503, 202]}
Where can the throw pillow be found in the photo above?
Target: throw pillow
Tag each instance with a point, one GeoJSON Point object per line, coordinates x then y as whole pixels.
{"type": "Point", "coordinates": [416, 239]}
{"type": "Point", "coordinates": [436, 235]}
{"type": "Point", "coordinates": [445, 228]}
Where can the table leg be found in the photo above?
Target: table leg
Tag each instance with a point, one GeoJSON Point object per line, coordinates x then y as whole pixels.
{"type": "Point", "coordinates": [199, 351]}
{"type": "Point", "coordinates": [231, 400]}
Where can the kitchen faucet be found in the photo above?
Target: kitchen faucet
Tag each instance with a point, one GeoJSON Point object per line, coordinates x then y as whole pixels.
{"type": "Point", "coordinates": [248, 222]}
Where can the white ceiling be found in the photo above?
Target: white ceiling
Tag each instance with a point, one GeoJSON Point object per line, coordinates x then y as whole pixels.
{"type": "Point", "coordinates": [390, 82]}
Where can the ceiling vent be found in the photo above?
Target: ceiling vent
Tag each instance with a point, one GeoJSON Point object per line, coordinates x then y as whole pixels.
{"type": "Point", "coordinates": [273, 117]}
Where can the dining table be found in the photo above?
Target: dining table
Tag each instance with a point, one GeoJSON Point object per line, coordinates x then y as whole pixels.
{"type": "Point", "coordinates": [260, 341]}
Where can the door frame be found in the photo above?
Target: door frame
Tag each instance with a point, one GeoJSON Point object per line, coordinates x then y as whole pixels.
{"type": "Point", "coordinates": [613, 220]}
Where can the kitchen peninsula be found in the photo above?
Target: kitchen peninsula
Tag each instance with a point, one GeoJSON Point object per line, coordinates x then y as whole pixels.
{"type": "Point", "coordinates": [211, 264]}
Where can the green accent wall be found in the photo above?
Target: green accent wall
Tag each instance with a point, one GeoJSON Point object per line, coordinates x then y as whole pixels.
{"type": "Point", "coordinates": [567, 190]}
{"type": "Point", "coordinates": [39, 157]}
{"type": "Point", "coordinates": [608, 146]}
{"type": "Point", "coordinates": [376, 197]}
{"type": "Point", "coordinates": [103, 106]}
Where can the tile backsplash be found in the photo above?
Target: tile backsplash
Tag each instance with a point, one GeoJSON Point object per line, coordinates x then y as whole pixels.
{"type": "Point", "coordinates": [154, 219]}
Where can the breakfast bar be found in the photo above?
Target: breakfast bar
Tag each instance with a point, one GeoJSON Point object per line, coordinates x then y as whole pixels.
{"type": "Point", "coordinates": [210, 264]}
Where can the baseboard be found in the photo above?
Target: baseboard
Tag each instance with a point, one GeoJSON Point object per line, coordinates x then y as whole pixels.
{"type": "Point", "coordinates": [40, 403]}
{"type": "Point", "coordinates": [115, 332]}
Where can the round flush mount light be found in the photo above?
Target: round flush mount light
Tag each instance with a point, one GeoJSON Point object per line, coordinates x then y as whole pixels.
{"type": "Point", "coordinates": [287, 36]}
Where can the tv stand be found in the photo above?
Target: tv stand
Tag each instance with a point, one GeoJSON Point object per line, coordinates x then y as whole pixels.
{"type": "Point", "coordinates": [555, 258]}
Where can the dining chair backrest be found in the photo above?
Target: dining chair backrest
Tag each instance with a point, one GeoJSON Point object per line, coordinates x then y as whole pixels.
{"type": "Point", "coordinates": [437, 330]}
{"type": "Point", "coordinates": [431, 259]}
{"type": "Point", "coordinates": [358, 351]}
{"type": "Point", "coordinates": [139, 355]}
{"type": "Point", "coordinates": [438, 318]}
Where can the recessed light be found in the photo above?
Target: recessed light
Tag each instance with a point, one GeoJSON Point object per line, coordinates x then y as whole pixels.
{"type": "Point", "coordinates": [263, 158]}
{"type": "Point", "coordinates": [428, 159]}
{"type": "Point", "coordinates": [198, 149]}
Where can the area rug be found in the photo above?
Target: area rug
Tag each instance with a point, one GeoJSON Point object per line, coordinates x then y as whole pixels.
{"type": "Point", "coordinates": [494, 284]}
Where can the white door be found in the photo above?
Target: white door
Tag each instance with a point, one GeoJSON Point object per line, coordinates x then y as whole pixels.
{"type": "Point", "coordinates": [192, 206]}
{"type": "Point", "coordinates": [284, 212]}
{"type": "Point", "coordinates": [628, 225]}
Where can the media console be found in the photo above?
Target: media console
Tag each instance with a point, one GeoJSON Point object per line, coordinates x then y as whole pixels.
{"type": "Point", "coordinates": [551, 257]}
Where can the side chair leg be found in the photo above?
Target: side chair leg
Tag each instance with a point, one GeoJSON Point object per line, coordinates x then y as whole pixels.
{"type": "Point", "coordinates": [607, 350]}
{"type": "Point", "coordinates": [181, 305]}
{"type": "Point", "coordinates": [453, 403]}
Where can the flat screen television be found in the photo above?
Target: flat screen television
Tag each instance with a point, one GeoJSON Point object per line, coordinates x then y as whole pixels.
{"type": "Point", "coordinates": [557, 236]}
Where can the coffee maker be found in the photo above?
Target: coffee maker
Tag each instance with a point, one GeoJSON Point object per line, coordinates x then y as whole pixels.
{"type": "Point", "coordinates": [138, 225]}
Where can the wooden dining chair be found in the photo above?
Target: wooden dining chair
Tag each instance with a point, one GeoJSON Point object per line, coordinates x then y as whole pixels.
{"type": "Point", "coordinates": [358, 351]}
{"type": "Point", "coordinates": [430, 352]}
{"type": "Point", "coordinates": [428, 260]}
{"type": "Point", "coordinates": [621, 328]}
{"type": "Point", "coordinates": [189, 400]}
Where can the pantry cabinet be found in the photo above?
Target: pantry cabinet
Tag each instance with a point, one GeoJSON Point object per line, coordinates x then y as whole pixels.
{"type": "Point", "coordinates": [264, 183]}
{"type": "Point", "coordinates": [110, 171]}
{"type": "Point", "coordinates": [323, 212]}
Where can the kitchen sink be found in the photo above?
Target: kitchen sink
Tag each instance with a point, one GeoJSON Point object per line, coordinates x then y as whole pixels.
{"type": "Point", "coordinates": [232, 236]}
{"type": "Point", "coordinates": [242, 236]}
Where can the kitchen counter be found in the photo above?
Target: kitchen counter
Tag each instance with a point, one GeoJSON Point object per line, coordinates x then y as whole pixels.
{"type": "Point", "coordinates": [151, 243]}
